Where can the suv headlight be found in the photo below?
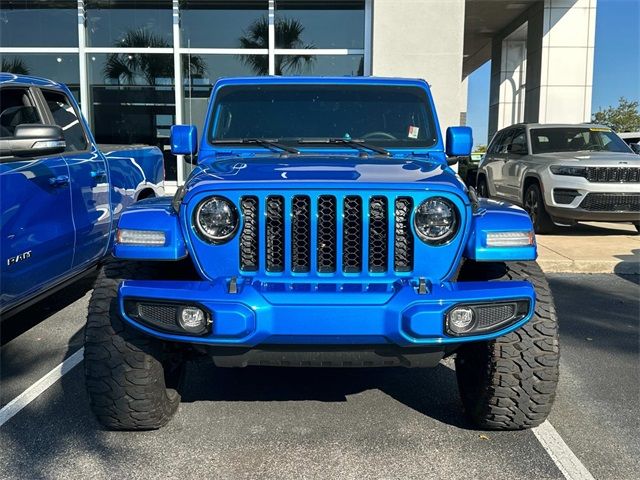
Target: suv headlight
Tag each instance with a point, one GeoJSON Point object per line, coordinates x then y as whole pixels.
{"type": "Point", "coordinates": [436, 220]}
{"type": "Point", "coordinates": [568, 170]}
{"type": "Point", "coordinates": [216, 219]}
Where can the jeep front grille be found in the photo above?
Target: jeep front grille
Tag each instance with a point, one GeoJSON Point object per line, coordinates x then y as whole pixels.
{"type": "Point", "coordinates": [613, 174]}
{"type": "Point", "coordinates": [324, 233]}
{"type": "Point", "coordinates": [611, 202]}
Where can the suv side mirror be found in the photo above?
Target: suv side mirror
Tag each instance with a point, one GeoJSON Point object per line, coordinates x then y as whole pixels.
{"type": "Point", "coordinates": [33, 140]}
{"type": "Point", "coordinates": [184, 140]}
{"type": "Point", "coordinates": [517, 149]}
{"type": "Point", "coordinates": [459, 142]}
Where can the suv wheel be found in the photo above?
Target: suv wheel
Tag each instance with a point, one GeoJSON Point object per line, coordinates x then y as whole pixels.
{"type": "Point", "coordinates": [534, 205]}
{"type": "Point", "coordinates": [129, 375]}
{"type": "Point", "coordinates": [510, 383]}
{"type": "Point", "coordinates": [482, 188]}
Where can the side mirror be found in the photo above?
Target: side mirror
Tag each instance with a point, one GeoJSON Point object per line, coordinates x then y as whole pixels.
{"type": "Point", "coordinates": [33, 140]}
{"type": "Point", "coordinates": [184, 140]}
{"type": "Point", "coordinates": [517, 149]}
{"type": "Point", "coordinates": [459, 142]}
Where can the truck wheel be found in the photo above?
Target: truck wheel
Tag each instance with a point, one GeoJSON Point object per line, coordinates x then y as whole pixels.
{"type": "Point", "coordinates": [534, 205]}
{"type": "Point", "coordinates": [126, 372]}
{"type": "Point", "coordinates": [510, 383]}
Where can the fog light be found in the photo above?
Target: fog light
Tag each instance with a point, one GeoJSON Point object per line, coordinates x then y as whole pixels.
{"type": "Point", "coordinates": [460, 319]}
{"type": "Point", "coordinates": [192, 319]}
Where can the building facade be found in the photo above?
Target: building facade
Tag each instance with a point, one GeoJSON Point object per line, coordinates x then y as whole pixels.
{"type": "Point", "coordinates": [139, 66]}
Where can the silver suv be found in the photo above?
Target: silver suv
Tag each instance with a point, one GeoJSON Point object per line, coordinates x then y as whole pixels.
{"type": "Point", "coordinates": [563, 174]}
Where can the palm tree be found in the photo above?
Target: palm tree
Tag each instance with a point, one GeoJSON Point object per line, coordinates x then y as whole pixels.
{"type": "Point", "coordinates": [15, 65]}
{"type": "Point", "coordinates": [129, 67]}
{"type": "Point", "coordinates": [288, 33]}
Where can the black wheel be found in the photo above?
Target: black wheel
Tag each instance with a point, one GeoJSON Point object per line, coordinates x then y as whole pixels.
{"type": "Point", "coordinates": [129, 376]}
{"type": "Point", "coordinates": [510, 383]}
{"type": "Point", "coordinates": [534, 205]}
{"type": "Point", "coordinates": [482, 188]}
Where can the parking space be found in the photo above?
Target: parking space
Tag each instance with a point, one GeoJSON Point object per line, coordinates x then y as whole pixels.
{"type": "Point", "coordinates": [305, 423]}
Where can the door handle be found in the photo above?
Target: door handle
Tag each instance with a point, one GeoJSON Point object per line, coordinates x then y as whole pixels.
{"type": "Point", "coordinates": [98, 173]}
{"type": "Point", "coordinates": [59, 181]}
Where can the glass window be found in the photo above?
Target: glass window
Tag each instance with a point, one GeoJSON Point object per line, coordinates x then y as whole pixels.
{"type": "Point", "coordinates": [518, 143]}
{"type": "Point", "coordinates": [224, 24]}
{"type": "Point", "coordinates": [319, 24]}
{"type": "Point", "coordinates": [16, 108]}
{"type": "Point", "coordinates": [205, 71]}
{"type": "Point", "coordinates": [27, 23]}
{"type": "Point", "coordinates": [133, 101]}
{"type": "Point", "coordinates": [60, 67]}
{"type": "Point", "coordinates": [320, 65]}
{"type": "Point", "coordinates": [66, 117]}
{"type": "Point", "coordinates": [576, 139]}
{"type": "Point", "coordinates": [133, 23]}
{"type": "Point", "coordinates": [391, 116]}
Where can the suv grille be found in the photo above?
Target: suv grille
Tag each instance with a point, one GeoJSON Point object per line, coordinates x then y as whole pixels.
{"type": "Point", "coordinates": [367, 231]}
{"type": "Point", "coordinates": [611, 202]}
{"type": "Point", "coordinates": [613, 174]}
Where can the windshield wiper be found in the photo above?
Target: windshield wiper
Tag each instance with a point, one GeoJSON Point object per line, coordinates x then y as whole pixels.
{"type": "Point", "coordinates": [357, 144]}
{"type": "Point", "coordinates": [263, 142]}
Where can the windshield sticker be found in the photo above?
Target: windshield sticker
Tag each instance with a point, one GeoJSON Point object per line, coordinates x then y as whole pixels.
{"type": "Point", "coordinates": [413, 131]}
{"type": "Point", "coordinates": [600, 129]}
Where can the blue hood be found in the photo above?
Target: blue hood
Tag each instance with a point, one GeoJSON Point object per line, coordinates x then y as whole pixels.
{"type": "Point", "coordinates": [332, 171]}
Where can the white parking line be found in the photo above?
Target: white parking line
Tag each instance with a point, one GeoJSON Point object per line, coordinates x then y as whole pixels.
{"type": "Point", "coordinates": [570, 465]}
{"type": "Point", "coordinates": [31, 393]}
{"type": "Point", "coordinates": [564, 458]}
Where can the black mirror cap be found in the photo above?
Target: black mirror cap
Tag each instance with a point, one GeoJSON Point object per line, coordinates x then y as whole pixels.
{"type": "Point", "coordinates": [452, 160]}
{"type": "Point", "coordinates": [34, 140]}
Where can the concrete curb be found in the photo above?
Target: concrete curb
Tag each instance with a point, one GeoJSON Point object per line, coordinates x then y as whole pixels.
{"type": "Point", "coordinates": [589, 266]}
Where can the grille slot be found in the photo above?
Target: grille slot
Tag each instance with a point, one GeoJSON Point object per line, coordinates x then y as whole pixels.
{"type": "Point", "coordinates": [611, 202]}
{"type": "Point", "coordinates": [164, 315]}
{"type": "Point", "coordinates": [249, 245]}
{"type": "Point", "coordinates": [613, 174]}
{"type": "Point", "coordinates": [352, 235]}
{"type": "Point", "coordinates": [275, 234]}
{"type": "Point", "coordinates": [327, 238]}
{"type": "Point", "coordinates": [490, 315]}
{"type": "Point", "coordinates": [378, 234]}
{"type": "Point", "coordinates": [300, 234]}
{"type": "Point", "coordinates": [403, 238]}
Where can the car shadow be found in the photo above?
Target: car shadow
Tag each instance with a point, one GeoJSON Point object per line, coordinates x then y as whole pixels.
{"type": "Point", "coordinates": [593, 230]}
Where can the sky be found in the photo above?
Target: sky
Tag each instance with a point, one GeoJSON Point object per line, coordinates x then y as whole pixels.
{"type": "Point", "coordinates": [616, 70]}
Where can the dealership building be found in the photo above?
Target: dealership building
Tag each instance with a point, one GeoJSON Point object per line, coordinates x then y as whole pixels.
{"type": "Point", "coordinates": [139, 66]}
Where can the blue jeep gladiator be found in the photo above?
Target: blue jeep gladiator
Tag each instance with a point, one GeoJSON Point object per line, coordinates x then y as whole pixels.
{"type": "Point", "coordinates": [322, 227]}
{"type": "Point", "coordinates": [60, 196]}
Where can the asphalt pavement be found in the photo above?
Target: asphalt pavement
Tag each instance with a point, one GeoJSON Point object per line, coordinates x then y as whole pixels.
{"type": "Point", "coordinates": [308, 423]}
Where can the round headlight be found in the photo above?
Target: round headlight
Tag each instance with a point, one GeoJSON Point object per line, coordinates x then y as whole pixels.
{"type": "Point", "coordinates": [436, 220]}
{"type": "Point", "coordinates": [216, 219]}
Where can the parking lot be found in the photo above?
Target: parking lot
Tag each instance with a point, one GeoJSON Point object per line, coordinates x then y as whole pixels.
{"type": "Point", "coordinates": [302, 423]}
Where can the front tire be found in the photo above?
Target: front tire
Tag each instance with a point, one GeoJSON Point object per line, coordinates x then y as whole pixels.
{"type": "Point", "coordinates": [510, 383]}
{"type": "Point", "coordinates": [534, 205]}
{"type": "Point", "coordinates": [126, 372]}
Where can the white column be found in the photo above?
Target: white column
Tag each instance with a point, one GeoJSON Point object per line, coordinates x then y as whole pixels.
{"type": "Point", "coordinates": [178, 90]}
{"type": "Point", "coordinates": [85, 101]}
{"type": "Point", "coordinates": [513, 74]}
{"type": "Point", "coordinates": [272, 37]}
{"type": "Point", "coordinates": [567, 60]}
{"type": "Point", "coordinates": [368, 35]}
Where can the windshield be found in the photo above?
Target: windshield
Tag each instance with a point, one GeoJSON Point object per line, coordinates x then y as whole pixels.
{"type": "Point", "coordinates": [387, 116]}
{"type": "Point", "coordinates": [576, 139]}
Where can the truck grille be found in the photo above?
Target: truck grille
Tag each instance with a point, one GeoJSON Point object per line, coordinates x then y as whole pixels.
{"type": "Point", "coordinates": [611, 202]}
{"type": "Point", "coordinates": [613, 174]}
{"type": "Point", "coordinates": [325, 233]}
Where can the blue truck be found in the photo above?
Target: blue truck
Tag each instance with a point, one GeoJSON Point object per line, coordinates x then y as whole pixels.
{"type": "Point", "coordinates": [322, 226]}
{"type": "Point", "coordinates": [60, 195]}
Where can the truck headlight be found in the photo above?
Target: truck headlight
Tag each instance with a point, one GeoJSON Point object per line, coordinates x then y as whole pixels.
{"type": "Point", "coordinates": [216, 219]}
{"type": "Point", "coordinates": [568, 170]}
{"type": "Point", "coordinates": [436, 220]}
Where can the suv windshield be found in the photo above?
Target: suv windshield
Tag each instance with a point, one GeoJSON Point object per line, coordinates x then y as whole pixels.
{"type": "Point", "coordinates": [387, 116]}
{"type": "Point", "coordinates": [576, 139]}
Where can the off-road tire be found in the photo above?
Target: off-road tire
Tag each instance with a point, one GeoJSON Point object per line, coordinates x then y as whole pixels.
{"type": "Point", "coordinates": [510, 383]}
{"type": "Point", "coordinates": [535, 207]}
{"type": "Point", "coordinates": [124, 371]}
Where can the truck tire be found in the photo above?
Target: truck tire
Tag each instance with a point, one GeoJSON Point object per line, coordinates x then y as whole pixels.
{"type": "Point", "coordinates": [534, 205]}
{"type": "Point", "coordinates": [510, 383]}
{"type": "Point", "coordinates": [126, 372]}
